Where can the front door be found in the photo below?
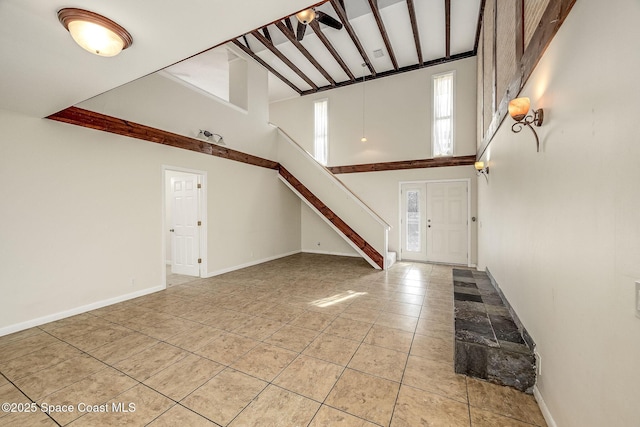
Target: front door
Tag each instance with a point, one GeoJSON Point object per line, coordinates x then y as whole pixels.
{"type": "Point", "coordinates": [185, 235]}
{"type": "Point", "coordinates": [434, 222]}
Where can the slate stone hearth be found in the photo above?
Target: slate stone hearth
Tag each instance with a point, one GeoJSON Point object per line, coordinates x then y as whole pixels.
{"type": "Point", "coordinates": [488, 344]}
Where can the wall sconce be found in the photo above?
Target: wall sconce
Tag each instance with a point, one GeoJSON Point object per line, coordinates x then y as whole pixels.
{"type": "Point", "coordinates": [519, 111]}
{"type": "Point", "coordinates": [481, 169]}
{"type": "Point", "coordinates": [211, 137]}
{"type": "Point", "coordinates": [95, 33]}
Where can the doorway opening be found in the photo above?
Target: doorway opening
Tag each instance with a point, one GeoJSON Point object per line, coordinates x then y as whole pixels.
{"type": "Point", "coordinates": [184, 225]}
{"type": "Point", "coordinates": [434, 221]}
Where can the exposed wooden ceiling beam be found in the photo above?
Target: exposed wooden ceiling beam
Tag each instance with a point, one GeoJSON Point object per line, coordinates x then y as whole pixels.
{"type": "Point", "coordinates": [262, 39]}
{"type": "Point", "coordinates": [431, 63]}
{"type": "Point", "coordinates": [414, 28]}
{"type": "Point", "coordinates": [266, 33]}
{"type": "Point", "coordinates": [287, 21]}
{"type": "Point", "coordinates": [479, 26]}
{"type": "Point", "coordinates": [316, 29]}
{"type": "Point", "coordinates": [447, 18]}
{"type": "Point", "coordinates": [354, 37]}
{"type": "Point", "coordinates": [292, 38]}
{"type": "Point", "coordinates": [383, 32]}
{"type": "Point", "coordinates": [249, 52]}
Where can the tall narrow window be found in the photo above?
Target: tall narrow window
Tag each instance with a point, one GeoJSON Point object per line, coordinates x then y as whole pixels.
{"type": "Point", "coordinates": [443, 115]}
{"type": "Point", "coordinates": [321, 133]}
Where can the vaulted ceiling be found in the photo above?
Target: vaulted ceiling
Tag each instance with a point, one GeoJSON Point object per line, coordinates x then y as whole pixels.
{"type": "Point", "coordinates": [42, 71]}
{"type": "Point", "coordinates": [378, 38]}
{"type": "Point", "coordinates": [373, 39]}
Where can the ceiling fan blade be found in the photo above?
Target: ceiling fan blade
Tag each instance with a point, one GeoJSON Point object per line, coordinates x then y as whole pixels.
{"type": "Point", "coordinates": [300, 29]}
{"type": "Point", "coordinates": [328, 20]}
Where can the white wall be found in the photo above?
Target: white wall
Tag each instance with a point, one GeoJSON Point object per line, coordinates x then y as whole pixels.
{"type": "Point", "coordinates": [398, 117]}
{"type": "Point", "coordinates": [560, 229]}
{"type": "Point", "coordinates": [167, 103]}
{"type": "Point", "coordinates": [318, 237]}
{"type": "Point", "coordinates": [83, 209]}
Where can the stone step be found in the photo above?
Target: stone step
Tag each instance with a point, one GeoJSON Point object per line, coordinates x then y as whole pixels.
{"type": "Point", "coordinates": [488, 343]}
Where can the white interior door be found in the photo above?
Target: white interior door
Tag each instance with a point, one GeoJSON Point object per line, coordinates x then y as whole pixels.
{"type": "Point", "coordinates": [185, 235]}
{"type": "Point", "coordinates": [414, 222]}
{"type": "Point", "coordinates": [447, 222]}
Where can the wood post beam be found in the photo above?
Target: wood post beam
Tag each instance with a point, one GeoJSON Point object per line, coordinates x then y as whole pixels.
{"type": "Point", "coordinates": [349, 232]}
{"type": "Point", "coordinates": [102, 122]}
{"type": "Point", "coordinates": [437, 162]}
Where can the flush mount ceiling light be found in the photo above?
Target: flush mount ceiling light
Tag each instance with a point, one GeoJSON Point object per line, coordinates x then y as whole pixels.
{"type": "Point", "coordinates": [519, 110]}
{"type": "Point", "coordinates": [95, 33]}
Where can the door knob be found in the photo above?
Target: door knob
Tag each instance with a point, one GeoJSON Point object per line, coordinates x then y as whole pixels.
{"type": "Point", "coordinates": [172, 230]}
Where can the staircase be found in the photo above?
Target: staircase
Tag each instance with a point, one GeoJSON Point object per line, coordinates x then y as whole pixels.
{"type": "Point", "coordinates": [340, 208]}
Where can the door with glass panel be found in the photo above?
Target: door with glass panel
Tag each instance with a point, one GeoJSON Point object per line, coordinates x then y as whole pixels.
{"type": "Point", "coordinates": [414, 222]}
{"type": "Point", "coordinates": [434, 222]}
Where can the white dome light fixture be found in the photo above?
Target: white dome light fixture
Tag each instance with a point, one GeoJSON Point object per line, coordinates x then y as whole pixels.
{"type": "Point", "coordinates": [95, 33]}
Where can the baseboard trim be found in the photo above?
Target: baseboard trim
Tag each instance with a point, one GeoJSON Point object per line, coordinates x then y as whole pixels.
{"type": "Point", "coordinates": [312, 251]}
{"type": "Point", "coordinates": [74, 311]}
{"type": "Point", "coordinates": [248, 264]}
{"type": "Point", "coordinates": [543, 407]}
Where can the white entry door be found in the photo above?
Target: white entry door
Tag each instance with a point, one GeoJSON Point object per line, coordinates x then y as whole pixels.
{"type": "Point", "coordinates": [185, 234]}
{"type": "Point", "coordinates": [434, 222]}
{"type": "Point", "coordinates": [447, 222]}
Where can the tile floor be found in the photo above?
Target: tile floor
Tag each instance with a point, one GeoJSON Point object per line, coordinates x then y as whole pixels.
{"type": "Point", "coordinates": [307, 340]}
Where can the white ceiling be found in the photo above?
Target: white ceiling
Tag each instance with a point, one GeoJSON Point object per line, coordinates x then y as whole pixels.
{"type": "Point", "coordinates": [43, 71]}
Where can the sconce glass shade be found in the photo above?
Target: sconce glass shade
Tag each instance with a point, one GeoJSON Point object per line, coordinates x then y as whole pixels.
{"type": "Point", "coordinates": [95, 33]}
{"type": "Point", "coordinates": [306, 16]}
{"type": "Point", "coordinates": [479, 166]}
{"type": "Point", "coordinates": [518, 108]}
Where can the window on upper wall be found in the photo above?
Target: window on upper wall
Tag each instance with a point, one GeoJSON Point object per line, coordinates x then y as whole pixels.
{"type": "Point", "coordinates": [442, 138]}
{"type": "Point", "coordinates": [321, 131]}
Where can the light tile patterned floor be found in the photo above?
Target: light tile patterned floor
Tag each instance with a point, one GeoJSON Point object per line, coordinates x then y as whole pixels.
{"type": "Point", "coordinates": [308, 340]}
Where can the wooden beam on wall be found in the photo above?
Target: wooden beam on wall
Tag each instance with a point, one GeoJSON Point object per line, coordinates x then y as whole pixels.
{"type": "Point", "coordinates": [437, 162]}
{"type": "Point", "coordinates": [351, 234]}
{"type": "Point", "coordinates": [102, 122]}
{"type": "Point", "coordinates": [551, 21]}
{"type": "Point", "coordinates": [519, 30]}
